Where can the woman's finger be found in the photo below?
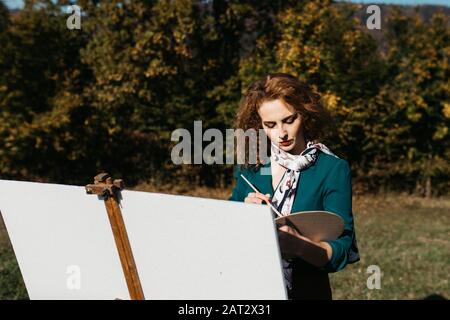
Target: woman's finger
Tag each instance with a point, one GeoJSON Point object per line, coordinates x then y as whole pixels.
{"type": "Point", "coordinates": [257, 200]}
{"type": "Point", "coordinates": [263, 197]}
{"type": "Point", "coordinates": [289, 230]}
{"type": "Point", "coordinates": [252, 200]}
{"type": "Point", "coordinates": [249, 199]}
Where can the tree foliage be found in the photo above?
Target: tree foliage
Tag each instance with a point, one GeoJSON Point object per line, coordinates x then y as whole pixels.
{"type": "Point", "coordinates": [108, 96]}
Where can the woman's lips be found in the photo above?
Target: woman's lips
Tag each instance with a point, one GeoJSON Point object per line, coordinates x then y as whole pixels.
{"type": "Point", "coordinates": [286, 143]}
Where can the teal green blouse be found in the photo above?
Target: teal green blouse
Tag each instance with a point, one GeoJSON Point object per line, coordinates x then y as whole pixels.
{"type": "Point", "coordinates": [325, 185]}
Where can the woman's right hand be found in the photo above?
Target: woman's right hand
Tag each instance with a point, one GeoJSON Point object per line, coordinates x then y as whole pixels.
{"type": "Point", "coordinates": [258, 198]}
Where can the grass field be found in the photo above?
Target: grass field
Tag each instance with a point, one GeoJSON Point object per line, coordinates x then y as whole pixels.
{"type": "Point", "coordinates": [407, 237]}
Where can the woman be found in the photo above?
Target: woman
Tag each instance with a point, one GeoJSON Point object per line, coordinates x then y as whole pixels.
{"type": "Point", "coordinates": [302, 175]}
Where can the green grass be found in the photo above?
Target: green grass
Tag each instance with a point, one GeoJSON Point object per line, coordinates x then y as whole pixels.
{"type": "Point", "coordinates": [407, 237]}
{"type": "Point", "coordinates": [11, 282]}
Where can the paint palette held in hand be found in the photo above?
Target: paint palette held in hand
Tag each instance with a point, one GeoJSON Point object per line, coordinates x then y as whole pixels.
{"type": "Point", "coordinates": [315, 225]}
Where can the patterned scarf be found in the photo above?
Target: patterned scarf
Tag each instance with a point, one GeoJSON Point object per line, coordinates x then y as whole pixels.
{"type": "Point", "coordinates": [284, 194]}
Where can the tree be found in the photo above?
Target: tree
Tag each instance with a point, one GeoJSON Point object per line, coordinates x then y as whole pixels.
{"type": "Point", "coordinates": [411, 105]}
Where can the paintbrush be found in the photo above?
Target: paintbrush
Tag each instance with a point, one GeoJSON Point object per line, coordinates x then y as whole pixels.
{"type": "Point", "coordinates": [257, 191]}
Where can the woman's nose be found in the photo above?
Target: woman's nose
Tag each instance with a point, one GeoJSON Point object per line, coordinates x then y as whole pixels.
{"type": "Point", "coordinates": [282, 134]}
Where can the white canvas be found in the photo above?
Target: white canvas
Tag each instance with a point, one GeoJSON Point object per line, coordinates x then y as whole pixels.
{"type": "Point", "coordinates": [194, 248]}
{"type": "Point", "coordinates": [184, 247]}
{"type": "Point", "coordinates": [62, 240]}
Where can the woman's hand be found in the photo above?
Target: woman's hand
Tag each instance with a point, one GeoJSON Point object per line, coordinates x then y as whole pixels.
{"type": "Point", "coordinates": [291, 242]}
{"type": "Point", "coordinates": [293, 245]}
{"type": "Point", "coordinates": [258, 198]}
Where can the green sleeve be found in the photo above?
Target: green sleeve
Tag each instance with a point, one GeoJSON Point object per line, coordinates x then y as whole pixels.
{"type": "Point", "coordinates": [338, 199]}
{"type": "Point", "coordinates": [240, 190]}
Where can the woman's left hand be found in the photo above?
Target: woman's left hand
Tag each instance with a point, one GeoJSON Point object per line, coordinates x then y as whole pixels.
{"type": "Point", "coordinates": [290, 240]}
{"type": "Point", "coordinates": [293, 245]}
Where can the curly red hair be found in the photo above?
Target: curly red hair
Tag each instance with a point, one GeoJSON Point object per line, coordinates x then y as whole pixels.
{"type": "Point", "coordinates": [291, 91]}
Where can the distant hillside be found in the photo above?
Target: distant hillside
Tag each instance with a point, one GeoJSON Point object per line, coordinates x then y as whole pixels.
{"type": "Point", "coordinates": [426, 12]}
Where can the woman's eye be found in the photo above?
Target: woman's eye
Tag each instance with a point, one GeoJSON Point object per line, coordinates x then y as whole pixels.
{"type": "Point", "coordinates": [290, 120]}
{"type": "Point", "coordinates": [269, 125]}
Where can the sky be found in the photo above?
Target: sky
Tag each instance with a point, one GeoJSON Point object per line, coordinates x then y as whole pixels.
{"type": "Point", "coordinates": [16, 4]}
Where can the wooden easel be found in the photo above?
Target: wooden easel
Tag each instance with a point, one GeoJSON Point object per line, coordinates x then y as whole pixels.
{"type": "Point", "coordinates": [109, 191]}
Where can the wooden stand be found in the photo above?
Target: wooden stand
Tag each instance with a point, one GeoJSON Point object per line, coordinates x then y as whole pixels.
{"type": "Point", "coordinates": [109, 191]}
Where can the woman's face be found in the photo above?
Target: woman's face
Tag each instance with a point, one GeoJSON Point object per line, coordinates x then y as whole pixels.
{"type": "Point", "coordinates": [283, 125]}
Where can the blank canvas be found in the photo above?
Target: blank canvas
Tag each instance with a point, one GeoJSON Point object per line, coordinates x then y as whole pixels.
{"type": "Point", "coordinates": [62, 240]}
{"type": "Point", "coordinates": [184, 247]}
